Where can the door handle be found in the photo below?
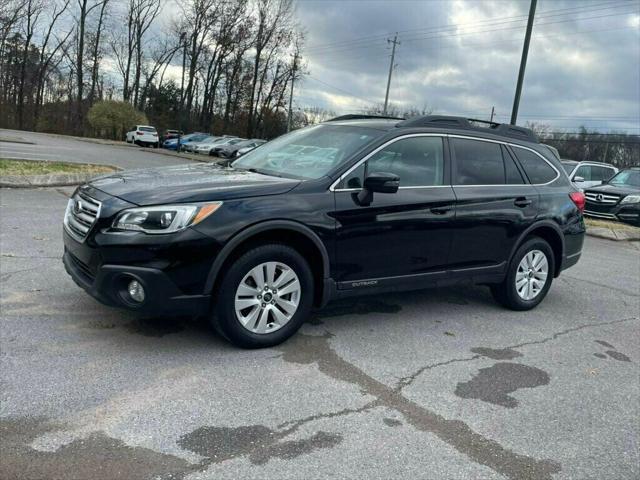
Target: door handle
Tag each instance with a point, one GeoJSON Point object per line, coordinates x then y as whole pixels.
{"type": "Point", "coordinates": [521, 202]}
{"type": "Point", "coordinates": [440, 210]}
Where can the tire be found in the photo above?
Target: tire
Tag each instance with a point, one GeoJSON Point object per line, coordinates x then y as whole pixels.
{"type": "Point", "coordinates": [531, 294]}
{"type": "Point", "coordinates": [268, 319]}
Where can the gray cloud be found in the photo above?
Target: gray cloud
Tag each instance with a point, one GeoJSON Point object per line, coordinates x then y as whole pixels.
{"type": "Point", "coordinates": [462, 57]}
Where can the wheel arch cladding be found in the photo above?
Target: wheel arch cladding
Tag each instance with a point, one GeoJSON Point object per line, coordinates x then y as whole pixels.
{"type": "Point", "coordinates": [553, 236]}
{"type": "Point", "coordinates": [289, 233]}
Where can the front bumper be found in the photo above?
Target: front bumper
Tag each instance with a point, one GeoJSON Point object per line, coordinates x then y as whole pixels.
{"type": "Point", "coordinates": [109, 286]}
{"type": "Point", "coordinates": [628, 213]}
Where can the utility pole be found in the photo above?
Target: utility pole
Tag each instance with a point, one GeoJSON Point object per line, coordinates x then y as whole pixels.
{"type": "Point", "coordinates": [293, 79]}
{"type": "Point", "coordinates": [523, 62]}
{"type": "Point", "coordinates": [393, 54]}
{"type": "Point", "coordinates": [493, 110]}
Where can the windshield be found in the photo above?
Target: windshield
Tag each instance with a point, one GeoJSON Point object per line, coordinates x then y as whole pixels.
{"type": "Point", "coordinates": [629, 178]}
{"type": "Point", "coordinates": [307, 153]}
{"type": "Point", "coordinates": [147, 129]}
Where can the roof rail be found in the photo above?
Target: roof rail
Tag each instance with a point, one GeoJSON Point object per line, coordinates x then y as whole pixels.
{"type": "Point", "coordinates": [443, 121]}
{"type": "Point", "coordinates": [363, 117]}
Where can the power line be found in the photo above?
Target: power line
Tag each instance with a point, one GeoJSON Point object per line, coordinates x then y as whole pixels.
{"type": "Point", "coordinates": [485, 23]}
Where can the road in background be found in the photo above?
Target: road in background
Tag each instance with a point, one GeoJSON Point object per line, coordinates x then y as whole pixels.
{"type": "Point", "coordinates": [69, 149]}
{"type": "Point", "coordinates": [429, 384]}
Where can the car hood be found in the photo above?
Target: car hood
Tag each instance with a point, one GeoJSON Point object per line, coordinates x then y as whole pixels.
{"type": "Point", "coordinates": [614, 189]}
{"type": "Point", "coordinates": [189, 183]}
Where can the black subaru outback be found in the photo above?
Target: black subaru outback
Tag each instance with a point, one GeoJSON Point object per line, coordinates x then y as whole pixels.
{"type": "Point", "coordinates": [348, 207]}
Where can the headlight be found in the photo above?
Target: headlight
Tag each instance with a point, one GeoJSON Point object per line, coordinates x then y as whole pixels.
{"type": "Point", "coordinates": [163, 218]}
{"type": "Point", "coordinates": [631, 199]}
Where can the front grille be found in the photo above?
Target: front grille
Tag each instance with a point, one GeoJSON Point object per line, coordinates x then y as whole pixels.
{"type": "Point", "coordinates": [599, 207]}
{"type": "Point", "coordinates": [82, 213]}
{"type": "Point", "coordinates": [602, 198]}
{"type": "Point", "coordinates": [590, 213]}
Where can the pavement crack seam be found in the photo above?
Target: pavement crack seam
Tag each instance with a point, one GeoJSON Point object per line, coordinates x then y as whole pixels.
{"type": "Point", "coordinates": [409, 379]}
{"type": "Point", "coordinates": [305, 349]}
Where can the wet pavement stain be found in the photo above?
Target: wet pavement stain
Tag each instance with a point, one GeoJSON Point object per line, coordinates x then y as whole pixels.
{"type": "Point", "coordinates": [155, 327]}
{"type": "Point", "coordinates": [613, 353]}
{"type": "Point", "coordinates": [621, 357]}
{"type": "Point", "coordinates": [257, 442]}
{"type": "Point", "coordinates": [306, 350]}
{"type": "Point", "coordinates": [494, 384]}
{"type": "Point", "coordinates": [97, 457]}
{"type": "Point", "coordinates": [604, 344]}
{"type": "Point", "coordinates": [497, 353]}
{"type": "Point", "coordinates": [392, 422]}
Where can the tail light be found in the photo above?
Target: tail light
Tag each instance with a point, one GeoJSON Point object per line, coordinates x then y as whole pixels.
{"type": "Point", "coordinates": [155, 134]}
{"type": "Point", "coordinates": [139, 133]}
{"type": "Point", "coordinates": [579, 199]}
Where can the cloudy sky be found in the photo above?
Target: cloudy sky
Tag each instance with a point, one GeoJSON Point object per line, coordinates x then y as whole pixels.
{"type": "Point", "coordinates": [462, 57]}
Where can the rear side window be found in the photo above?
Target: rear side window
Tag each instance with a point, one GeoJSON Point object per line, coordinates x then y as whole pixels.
{"type": "Point", "coordinates": [478, 163]}
{"type": "Point", "coordinates": [536, 168]}
{"type": "Point", "coordinates": [511, 172]}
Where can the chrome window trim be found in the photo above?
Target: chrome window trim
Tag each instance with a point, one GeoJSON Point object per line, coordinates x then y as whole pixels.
{"type": "Point", "coordinates": [333, 188]}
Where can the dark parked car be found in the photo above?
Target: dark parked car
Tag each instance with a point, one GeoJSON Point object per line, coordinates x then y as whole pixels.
{"type": "Point", "coordinates": [376, 205]}
{"type": "Point", "coordinates": [169, 134]}
{"type": "Point", "coordinates": [231, 150]}
{"type": "Point", "coordinates": [616, 199]}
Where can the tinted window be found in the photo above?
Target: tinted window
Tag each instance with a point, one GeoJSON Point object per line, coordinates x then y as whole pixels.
{"type": "Point", "coordinates": [536, 168]}
{"type": "Point", "coordinates": [583, 171]}
{"type": "Point", "coordinates": [147, 129]}
{"type": "Point", "coordinates": [511, 172]}
{"type": "Point", "coordinates": [418, 161]}
{"type": "Point", "coordinates": [478, 163]}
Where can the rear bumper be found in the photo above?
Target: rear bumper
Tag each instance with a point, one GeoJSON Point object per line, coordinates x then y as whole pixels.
{"type": "Point", "coordinates": [109, 286]}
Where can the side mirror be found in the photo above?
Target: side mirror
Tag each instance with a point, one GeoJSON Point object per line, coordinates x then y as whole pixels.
{"type": "Point", "coordinates": [379, 182]}
{"type": "Point", "coordinates": [578, 179]}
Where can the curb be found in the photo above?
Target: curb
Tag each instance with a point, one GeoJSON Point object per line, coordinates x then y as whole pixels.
{"type": "Point", "coordinates": [15, 140]}
{"type": "Point", "coordinates": [49, 180]}
{"type": "Point", "coordinates": [615, 235]}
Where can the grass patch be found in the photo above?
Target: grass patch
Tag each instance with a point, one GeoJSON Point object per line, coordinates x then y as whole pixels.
{"type": "Point", "coordinates": [593, 222]}
{"type": "Point", "coordinates": [30, 167]}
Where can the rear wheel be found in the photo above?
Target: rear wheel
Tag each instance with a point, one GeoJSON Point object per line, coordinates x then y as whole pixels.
{"type": "Point", "coordinates": [529, 276]}
{"type": "Point", "coordinates": [264, 297]}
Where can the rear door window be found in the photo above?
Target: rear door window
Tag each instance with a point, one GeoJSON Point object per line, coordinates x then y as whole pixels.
{"type": "Point", "coordinates": [478, 162]}
{"type": "Point", "coordinates": [536, 167]}
{"type": "Point", "coordinates": [601, 174]}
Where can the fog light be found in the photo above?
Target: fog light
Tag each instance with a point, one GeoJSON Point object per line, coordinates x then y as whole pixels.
{"type": "Point", "coordinates": [136, 292]}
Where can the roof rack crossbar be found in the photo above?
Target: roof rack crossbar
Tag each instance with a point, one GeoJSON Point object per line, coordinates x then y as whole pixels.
{"type": "Point", "coordinates": [363, 117]}
{"type": "Point", "coordinates": [463, 123]}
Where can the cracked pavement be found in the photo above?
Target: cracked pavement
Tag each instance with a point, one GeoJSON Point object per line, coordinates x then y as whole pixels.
{"type": "Point", "coordinates": [434, 384]}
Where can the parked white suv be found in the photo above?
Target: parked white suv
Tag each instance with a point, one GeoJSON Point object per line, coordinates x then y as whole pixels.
{"type": "Point", "coordinates": [143, 135]}
{"type": "Point", "coordinates": [588, 174]}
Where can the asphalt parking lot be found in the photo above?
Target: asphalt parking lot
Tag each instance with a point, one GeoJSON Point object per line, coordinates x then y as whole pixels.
{"type": "Point", "coordinates": [42, 146]}
{"type": "Point", "coordinates": [433, 384]}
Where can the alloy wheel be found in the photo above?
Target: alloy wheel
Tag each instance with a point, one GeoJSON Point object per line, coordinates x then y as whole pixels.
{"type": "Point", "coordinates": [532, 273]}
{"type": "Point", "coordinates": [267, 297]}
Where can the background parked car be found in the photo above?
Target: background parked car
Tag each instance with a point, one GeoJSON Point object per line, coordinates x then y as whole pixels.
{"type": "Point", "coordinates": [143, 135]}
{"type": "Point", "coordinates": [588, 174]}
{"type": "Point", "coordinates": [230, 150]}
{"type": "Point", "coordinates": [205, 147]}
{"type": "Point", "coordinates": [190, 145]}
{"type": "Point", "coordinates": [617, 199]}
{"type": "Point", "coordinates": [169, 134]}
{"type": "Point", "coordinates": [191, 137]}
{"type": "Point", "coordinates": [225, 141]}
{"type": "Point", "coordinates": [243, 150]}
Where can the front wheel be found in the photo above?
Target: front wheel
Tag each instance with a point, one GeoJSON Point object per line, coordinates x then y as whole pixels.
{"type": "Point", "coordinates": [529, 276]}
{"type": "Point", "coordinates": [265, 297]}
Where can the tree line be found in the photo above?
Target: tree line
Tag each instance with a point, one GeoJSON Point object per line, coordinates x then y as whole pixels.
{"type": "Point", "coordinates": [210, 65]}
